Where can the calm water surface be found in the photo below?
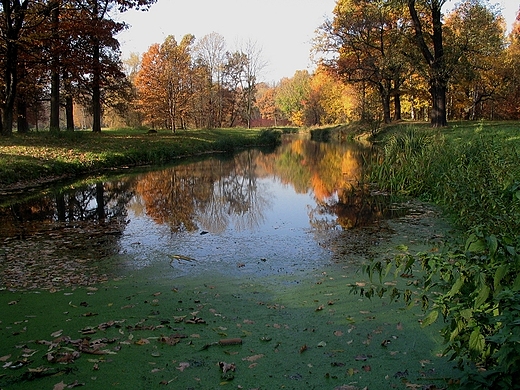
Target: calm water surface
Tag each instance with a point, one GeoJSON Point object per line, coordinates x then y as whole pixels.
{"type": "Point", "coordinates": [251, 213]}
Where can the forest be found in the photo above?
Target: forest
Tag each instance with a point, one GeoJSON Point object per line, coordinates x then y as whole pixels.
{"type": "Point", "coordinates": [377, 61]}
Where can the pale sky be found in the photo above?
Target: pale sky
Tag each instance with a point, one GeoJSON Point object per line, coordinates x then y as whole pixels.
{"type": "Point", "coordinates": [282, 29]}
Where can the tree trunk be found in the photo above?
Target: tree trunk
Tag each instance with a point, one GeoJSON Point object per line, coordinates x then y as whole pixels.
{"type": "Point", "coordinates": [21, 110]}
{"type": "Point", "coordinates": [69, 102]}
{"type": "Point", "coordinates": [10, 84]}
{"type": "Point", "coordinates": [96, 89]}
{"type": "Point", "coordinates": [385, 101]}
{"type": "Point", "coordinates": [54, 124]}
{"type": "Point", "coordinates": [437, 67]}
{"type": "Point", "coordinates": [14, 15]}
{"type": "Point", "coordinates": [69, 112]}
{"type": "Point", "coordinates": [397, 106]}
{"type": "Point", "coordinates": [438, 114]}
{"type": "Point", "coordinates": [96, 73]}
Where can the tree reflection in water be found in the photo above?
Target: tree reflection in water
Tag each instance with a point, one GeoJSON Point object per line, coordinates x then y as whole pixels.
{"type": "Point", "coordinates": [237, 199]}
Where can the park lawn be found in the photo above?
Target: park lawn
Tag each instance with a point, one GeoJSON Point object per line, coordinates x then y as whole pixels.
{"type": "Point", "coordinates": [41, 156]}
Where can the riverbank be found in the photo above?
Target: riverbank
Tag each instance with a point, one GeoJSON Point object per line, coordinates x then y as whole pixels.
{"type": "Point", "coordinates": [38, 158]}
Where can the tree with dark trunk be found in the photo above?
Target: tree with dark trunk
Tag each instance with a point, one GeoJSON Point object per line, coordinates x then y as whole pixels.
{"type": "Point", "coordinates": [13, 17]}
{"type": "Point", "coordinates": [438, 72]}
{"type": "Point", "coordinates": [54, 124]}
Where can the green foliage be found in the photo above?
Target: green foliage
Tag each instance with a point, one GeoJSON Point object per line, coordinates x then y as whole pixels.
{"type": "Point", "coordinates": [476, 287]}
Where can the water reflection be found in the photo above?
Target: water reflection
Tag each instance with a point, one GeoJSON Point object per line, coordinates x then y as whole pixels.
{"type": "Point", "coordinates": [251, 205]}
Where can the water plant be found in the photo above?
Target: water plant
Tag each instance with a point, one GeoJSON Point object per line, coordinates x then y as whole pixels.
{"type": "Point", "coordinates": [475, 285]}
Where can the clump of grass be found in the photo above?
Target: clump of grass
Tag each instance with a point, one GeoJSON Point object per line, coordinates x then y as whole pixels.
{"type": "Point", "coordinates": [471, 173]}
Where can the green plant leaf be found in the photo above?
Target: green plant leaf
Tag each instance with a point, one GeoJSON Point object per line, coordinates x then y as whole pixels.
{"type": "Point", "coordinates": [492, 245]}
{"type": "Point", "coordinates": [430, 318]}
{"type": "Point", "coordinates": [477, 341]}
{"type": "Point", "coordinates": [499, 275]}
{"type": "Point", "coordinates": [516, 284]}
{"type": "Point", "coordinates": [456, 287]}
{"type": "Point", "coordinates": [475, 244]}
{"type": "Point", "coordinates": [482, 296]}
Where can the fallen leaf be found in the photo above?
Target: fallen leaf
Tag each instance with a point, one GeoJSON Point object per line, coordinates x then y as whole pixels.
{"type": "Point", "coordinates": [303, 348]}
{"type": "Point", "coordinates": [4, 358]}
{"type": "Point", "coordinates": [346, 387]}
{"type": "Point", "coordinates": [225, 367]}
{"type": "Point", "coordinates": [58, 333]}
{"type": "Point", "coordinates": [338, 333]}
{"type": "Point", "coordinates": [367, 368]}
{"type": "Point", "coordinates": [183, 366]}
{"type": "Point", "coordinates": [142, 342]}
{"type": "Point", "coordinates": [60, 386]}
{"type": "Point", "coordinates": [253, 358]}
{"type": "Point", "coordinates": [362, 357]}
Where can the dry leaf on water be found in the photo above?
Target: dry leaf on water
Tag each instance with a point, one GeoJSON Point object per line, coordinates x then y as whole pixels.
{"type": "Point", "coordinates": [183, 366]}
{"type": "Point", "coordinates": [225, 367]}
{"type": "Point", "coordinates": [142, 342]}
{"type": "Point", "coordinates": [253, 358]}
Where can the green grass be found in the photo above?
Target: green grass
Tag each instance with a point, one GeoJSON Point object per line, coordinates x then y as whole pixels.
{"type": "Point", "coordinates": [470, 168]}
{"type": "Point", "coordinates": [43, 156]}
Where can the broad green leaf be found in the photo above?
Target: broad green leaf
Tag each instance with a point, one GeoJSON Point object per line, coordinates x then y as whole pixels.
{"type": "Point", "coordinates": [482, 296]}
{"type": "Point", "coordinates": [430, 318]}
{"type": "Point", "coordinates": [499, 275]}
{"type": "Point", "coordinates": [402, 247]}
{"type": "Point", "coordinates": [475, 244]}
{"type": "Point", "coordinates": [466, 314]}
{"type": "Point", "coordinates": [477, 341]}
{"type": "Point", "coordinates": [493, 245]}
{"type": "Point", "coordinates": [456, 287]}
{"type": "Point", "coordinates": [516, 284]}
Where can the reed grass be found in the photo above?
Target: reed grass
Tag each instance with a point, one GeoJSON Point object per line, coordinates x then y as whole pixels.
{"type": "Point", "coordinates": [471, 170]}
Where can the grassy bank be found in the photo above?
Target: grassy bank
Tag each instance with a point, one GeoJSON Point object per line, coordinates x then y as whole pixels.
{"type": "Point", "coordinates": [42, 156]}
{"type": "Point", "coordinates": [472, 171]}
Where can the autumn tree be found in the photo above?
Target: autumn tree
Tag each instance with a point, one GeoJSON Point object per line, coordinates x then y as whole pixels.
{"type": "Point", "coordinates": [165, 82]}
{"type": "Point", "coordinates": [336, 101]}
{"type": "Point", "coordinates": [252, 67]}
{"type": "Point", "coordinates": [509, 70]}
{"type": "Point", "coordinates": [151, 95]}
{"type": "Point", "coordinates": [431, 45]}
{"type": "Point", "coordinates": [266, 103]}
{"type": "Point", "coordinates": [364, 44]}
{"type": "Point", "coordinates": [291, 95]}
{"type": "Point", "coordinates": [475, 33]}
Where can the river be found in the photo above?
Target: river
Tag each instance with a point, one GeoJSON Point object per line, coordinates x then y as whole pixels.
{"type": "Point", "coordinates": [254, 212]}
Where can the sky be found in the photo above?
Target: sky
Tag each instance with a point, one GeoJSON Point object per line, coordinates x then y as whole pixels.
{"type": "Point", "coordinates": [282, 30]}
